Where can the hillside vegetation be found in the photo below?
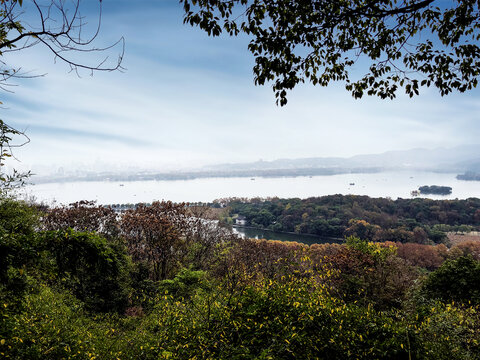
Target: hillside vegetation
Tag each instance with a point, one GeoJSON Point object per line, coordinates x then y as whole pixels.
{"type": "Point", "coordinates": [159, 282]}
{"type": "Point", "coordinates": [377, 219]}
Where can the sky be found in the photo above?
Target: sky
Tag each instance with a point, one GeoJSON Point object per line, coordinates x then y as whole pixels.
{"type": "Point", "coordinates": [186, 100]}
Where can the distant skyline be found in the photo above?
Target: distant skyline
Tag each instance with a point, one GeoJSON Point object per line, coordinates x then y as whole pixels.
{"type": "Point", "coordinates": [187, 100]}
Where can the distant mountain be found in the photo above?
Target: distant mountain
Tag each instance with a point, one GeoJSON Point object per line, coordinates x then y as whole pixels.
{"type": "Point", "coordinates": [470, 165]}
{"type": "Point", "coordinates": [457, 159]}
{"type": "Point", "coordinates": [303, 163]}
{"type": "Point", "coordinates": [461, 159]}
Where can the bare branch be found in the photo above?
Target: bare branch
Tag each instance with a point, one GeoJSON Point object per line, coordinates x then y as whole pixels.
{"type": "Point", "coordinates": [60, 29]}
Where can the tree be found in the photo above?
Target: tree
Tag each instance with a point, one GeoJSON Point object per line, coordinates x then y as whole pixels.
{"type": "Point", "coordinates": [361, 229]}
{"type": "Point", "coordinates": [83, 216]}
{"type": "Point", "coordinates": [402, 43]}
{"type": "Point", "coordinates": [205, 236]}
{"type": "Point", "coordinates": [10, 181]}
{"type": "Point", "coordinates": [457, 280]}
{"type": "Point", "coordinates": [94, 269]}
{"type": "Point", "coordinates": [154, 235]}
{"type": "Point", "coordinates": [57, 25]}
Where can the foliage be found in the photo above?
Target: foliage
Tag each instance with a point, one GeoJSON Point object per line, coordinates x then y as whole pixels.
{"type": "Point", "coordinates": [18, 249]}
{"type": "Point", "coordinates": [404, 44]}
{"type": "Point", "coordinates": [18, 217]}
{"type": "Point", "coordinates": [361, 229]}
{"type": "Point", "coordinates": [165, 236]}
{"type": "Point", "coordinates": [96, 271]}
{"type": "Point", "coordinates": [267, 320]}
{"type": "Point", "coordinates": [68, 294]}
{"type": "Point", "coordinates": [83, 216]}
{"type": "Point", "coordinates": [456, 280]}
{"type": "Point", "coordinates": [371, 274]}
{"type": "Point", "coordinates": [185, 284]}
{"type": "Point", "coordinates": [424, 256]}
{"type": "Point", "coordinates": [468, 248]}
{"type": "Point", "coordinates": [154, 234]}
{"type": "Point", "coordinates": [378, 219]}
{"type": "Point", "coordinates": [260, 259]}
{"type": "Point", "coordinates": [49, 327]}
{"type": "Point", "coordinates": [10, 181]}
{"type": "Point", "coordinates": [207, 238]}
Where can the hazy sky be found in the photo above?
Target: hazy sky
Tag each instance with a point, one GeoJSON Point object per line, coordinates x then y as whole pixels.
{"type": "Point", "coordinates": [186, 99]}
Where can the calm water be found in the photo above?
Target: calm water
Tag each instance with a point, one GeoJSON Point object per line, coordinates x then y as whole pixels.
{"type": "Point", "coordinates": [274, 235]}
{"type": "Point", "coordinates": [389, 184]}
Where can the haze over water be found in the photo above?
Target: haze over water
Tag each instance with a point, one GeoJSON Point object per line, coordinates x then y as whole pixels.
{"type": "Point", "coordinates": [387, 184]}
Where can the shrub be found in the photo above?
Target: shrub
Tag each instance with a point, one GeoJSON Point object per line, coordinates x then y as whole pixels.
{"type": "Point", "coordinates": [457, 280]}
{"type": "Point", "coordinates": [371, 273]}
{"type": "Point", "coordinates": [185, 284]}
{"type": "Point", "coordinates": [18, 258]}
{"type": "Point", "coordinates": [95, 270]}
{"type": "Point", "coordinates": [18, 248]}
{"type": "Point", "coordinates": [17, 217]}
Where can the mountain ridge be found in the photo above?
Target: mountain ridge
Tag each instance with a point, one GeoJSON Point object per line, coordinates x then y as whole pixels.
{"type": "Point", "coordinates": [455, 159]}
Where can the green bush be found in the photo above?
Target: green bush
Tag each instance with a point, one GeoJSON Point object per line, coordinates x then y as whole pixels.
{"type": "Point", "coordinates": [18, 259]}
{"type": "Point", "coordinates": [298, 319]}
{"type": "Point", "coordinates": [55, 325]}
{"type": "Point", "coordinates": [17, 217]}
{"type": "Point", "coordinates": [95, 270]}
{"type": "Point", "coordinates": [457, 280]}
{"type": "Point", "coordinates": [17, 251]}
{"type": "Point", "coordinates": [185, 284]}
{"type": "Point", "coordinates": [287, 318]}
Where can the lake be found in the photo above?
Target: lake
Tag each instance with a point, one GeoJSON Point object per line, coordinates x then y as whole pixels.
{"type": "Point", "coordinates": [386, 184]}
{"type": "Point", "coordinates": [253, 233]}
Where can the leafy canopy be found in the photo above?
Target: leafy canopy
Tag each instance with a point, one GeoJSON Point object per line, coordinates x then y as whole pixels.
{"type": "Point", "coordinates": [400, 43]}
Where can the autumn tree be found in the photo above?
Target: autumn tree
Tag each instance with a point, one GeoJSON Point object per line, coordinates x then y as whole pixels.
{"type": "Point", "coordinates": [404, 44]}
{"type": "Point", "coordinates": [206, 236]}
{"type": "Point", "coordinates": [361, 229]}
{"type": "Point", "coordinates": [155, 234]}
{"type": "Point", "coordinates": [429, 257]}
{"type": "Point", "coordinates": [83, 216]}
{"type": "Point", "coordinates": [370, 273]}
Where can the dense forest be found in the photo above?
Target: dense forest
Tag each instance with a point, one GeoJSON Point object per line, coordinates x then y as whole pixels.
{"type": "Point", "coordinates": [160, 282]}
{"type": "Point", "coordinates": [378, 219]}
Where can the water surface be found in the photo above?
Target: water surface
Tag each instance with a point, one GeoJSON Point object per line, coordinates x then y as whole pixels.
{"type": "Point", "coordinates": [253, 233]}
{"type": "Point", "coordinates": [388, 184]}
